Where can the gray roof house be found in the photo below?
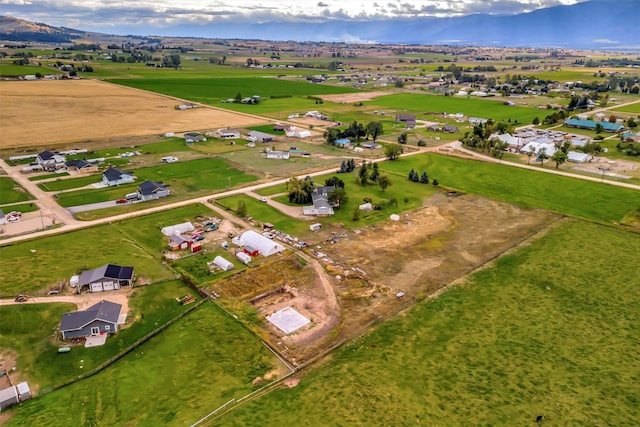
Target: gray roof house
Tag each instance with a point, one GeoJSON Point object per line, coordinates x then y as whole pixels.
{"type": "Point", "coordinates": [191, 137]}
{"type": "Point", "coordinates": [106, 278]}
{"type": "Point", "coordinates": [405, 118]}
{"type": "Point", "coordinates": [261, 136]}
{"type": "Point", "coordinates": [101, 318]}
{"type": "Point", "coordinates": [151, 190]}
{"type": "Point", "coordinates": [113, 176]}
{"type": "Point", "coordinates": [320, 199]}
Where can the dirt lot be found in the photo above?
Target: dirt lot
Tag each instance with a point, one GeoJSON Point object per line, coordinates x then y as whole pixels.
{"type": "Point", "coordinates": [60, 111]}
{"type": "Point", "coordinates": [419, 255]}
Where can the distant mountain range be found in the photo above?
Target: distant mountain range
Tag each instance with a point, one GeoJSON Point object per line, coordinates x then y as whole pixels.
{"type": "Point", "coordinates": [595, 24]}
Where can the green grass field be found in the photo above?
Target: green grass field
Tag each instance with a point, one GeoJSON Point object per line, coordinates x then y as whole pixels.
{"type": "Point", "coordinates": [29, 330]}
{"type": "Point", "coordinates": [11, 192]}
{"type": "Point", "coordinates": [212, 90]}
{"type": "Point", "coordinates": [632, 108]}
{"type": "Point", "coordinates": [9, 69]}
{"type": "Point", "coordinates": [187, 179]}
{"type": "Point", "coordinates": [195, 267]}
{"type": "Point", "coordinates": [70, 183]}
{"type": "Point", "coordinates": [174, 379]}
{"type": "Point", "coordinates": [533, 335]}
{"type": "Point", "coordinates": [448, 104]}
{"type": "Point", "coordinates": [48, 176]}
{"type": "Point", "coordinates": [262, 212]}
{"type": "Point", "coordinates": [22, 207]}
{"type": "Point", "coordinates": [590, 200]}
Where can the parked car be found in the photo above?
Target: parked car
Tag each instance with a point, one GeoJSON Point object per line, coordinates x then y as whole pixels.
{"type": "Point", "coordinates": [198, 238]}
{"type": "Point", "coordinates": [21, 298]}
{"type": "Point", "coordinates": [121, 201]}
{"type": "Point", "coordinates": [13, 216]}
{"type": "Point", "coordinates": [263, 199]}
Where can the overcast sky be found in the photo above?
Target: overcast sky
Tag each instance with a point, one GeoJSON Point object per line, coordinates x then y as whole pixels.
{"type": "Point", "coordinates": [102, 14]}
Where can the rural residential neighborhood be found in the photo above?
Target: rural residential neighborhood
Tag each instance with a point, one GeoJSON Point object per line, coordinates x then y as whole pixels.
{"type": "Point", "coordinates": [218, 230]}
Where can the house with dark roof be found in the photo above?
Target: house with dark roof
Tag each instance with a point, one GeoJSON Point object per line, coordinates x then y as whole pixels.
{"type": "Point", "coordinates": [406, 118]}
{"type": "Point", "coordinates": [101, 318]}
{"type": "Point", "coordinates": [192, 137]}
{"type": "Point", "coordinates": [81, 166]}
{"type": "Point", "coordinates": [106, 278]}
{"type": "Point", "coordinates": [151, 190]}
{"type": "Point", "coordinates": [450, 129]}
{"type": "Point", "coordinates": [51, 161]}
{"type": "Point", "coordinates": [113, 176]}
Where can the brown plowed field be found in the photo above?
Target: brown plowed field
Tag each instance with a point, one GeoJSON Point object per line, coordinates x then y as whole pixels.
{"type": "Point", "coordinates": [41, 113]}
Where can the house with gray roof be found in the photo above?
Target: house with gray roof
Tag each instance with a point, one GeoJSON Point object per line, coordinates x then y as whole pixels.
{"type": "Point", "coordinates": [320, 199]}
{"type": "Point", "coordinates": [106, 278]}
{"type": "Point", "coordinates": [51, 161]}
{"type": "Point", "coordinates": [113, 176]}
{"type": "Point", "coordinates": [151, 190]}
{"type": "Point", "coordinates": [258, 136]}
{"type": "Point", "coordinates": [101, 318]}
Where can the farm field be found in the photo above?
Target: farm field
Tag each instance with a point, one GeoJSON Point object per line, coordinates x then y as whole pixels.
{"type": "Point", "coordinates": [135, 242]}
{"type": "Point", "coordinates": [532, 335]}
{"type": "Point", "coordinates": [10, 192]}
{"type": "Point", "coordinates": [589, 200]}
{"type": "Point", "coordinates": [136, 113]}
{"type": "Point", "coordinates": [449, 104]}
{"type": "Point", "coordinates": [30, 331]}
{"type": "Point", "coordinates": [190, 369]}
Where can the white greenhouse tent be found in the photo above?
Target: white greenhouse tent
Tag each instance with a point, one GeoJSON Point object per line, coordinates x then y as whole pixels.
{"type": "Point", "coordinates": [223, 263]}
{"type": "Point", "coordinates": [172, 230]}
{"type": "Point", "coordinates": [244, 257]}
{"type": "Point", "coordinates": [264, 245]}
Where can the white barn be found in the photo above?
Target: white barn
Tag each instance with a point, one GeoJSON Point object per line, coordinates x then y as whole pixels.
{"type": "Point", "coordinates": [264, 245]}
{"type": "Point", "coordinates": [243, 257]}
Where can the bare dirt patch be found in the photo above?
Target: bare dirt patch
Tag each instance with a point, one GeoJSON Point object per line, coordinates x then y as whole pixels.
{"type": "Point", "coordinates": [347, 98]}
{"type": "Point", "coordinates": [378, 270]}
{"type": "Point", "coordinates": [57, 112]}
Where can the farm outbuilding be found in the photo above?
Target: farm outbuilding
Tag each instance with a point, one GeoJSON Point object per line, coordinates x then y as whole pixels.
{"type": "Point", "coordinates": [263, 245]}
{"type": "Point", "coordinates": [172, 230]}
{"type": "Point", "coordinates": [223, 263]}
{"type": "Point", "coordinates": [14, 394]}
{"type": "Point", "coordinates": [243, 257]}
{"type": "Point", "coordinates": [106, 278]}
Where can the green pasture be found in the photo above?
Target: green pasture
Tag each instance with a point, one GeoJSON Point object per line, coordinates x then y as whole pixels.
{"type": "Point", "coordinates": [136, 242]}
{"type": "Point", "coordinates": [268, 128]}
{"type": "Point", "coordinates": [187, 179]}
{"type": "Point", "coordinates": [570, 196]}
{"type": "Point", "coordinates": [631, 108]}
{"type": "Point", "coordinates": [212, 90]}
{"type": "Point", "coordinates": [48, 176]}
{"type": "Point", "coordinates": [61, 184]}
{"type": "Point", "coordinates": [22, 207]}
{"type": "Point", "coordinates": [8, 69]}
{"type": "Point", "coordinates": [262, 212]}
{"type": "Point", "coordinates": [30, 330]}
{"type": "Point", "coordinates": [474, 107]}
{"type": "Point", "coordinates": [536, 334]}
{"type": "Point", "coordinates": [190, 369]}
{"type": "Point", "coordinates": [11, 192]}
{"type": "Point", "coordinates": [195, 266]}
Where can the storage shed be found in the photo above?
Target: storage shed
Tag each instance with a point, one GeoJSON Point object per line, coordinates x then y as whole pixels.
{"type": "Point", "coordinates": [223, 263]}
{"type": "Point", "coordinates": [245, 258]}
{"type": "Point", "coordinates": [172, 230]}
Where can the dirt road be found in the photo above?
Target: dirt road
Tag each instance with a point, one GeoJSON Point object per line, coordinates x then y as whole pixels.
{"type": "Point", "coordinates": [82, 301]}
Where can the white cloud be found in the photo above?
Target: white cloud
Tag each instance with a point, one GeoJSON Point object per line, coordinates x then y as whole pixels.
{"type": "Point", "coordinates": [605, 41]}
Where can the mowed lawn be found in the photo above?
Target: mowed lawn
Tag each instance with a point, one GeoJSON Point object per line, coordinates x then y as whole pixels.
{"type": "Point", "coordinates": [10, 192]}
{"type": "Point", "coordinates": [474, 107]}
{"type": "Point", "coordinates": [186, 179]}
{"type": "Point", "coordinates": [174, 379]}
{"type": "Point", "coordinates": [31, 331]}
{"type": "Point", "coordinates": [571, 196]}
{"type": "Point", "coordinates": [537, 334]}
{"type": "Point", "coordinates": [39, 264]}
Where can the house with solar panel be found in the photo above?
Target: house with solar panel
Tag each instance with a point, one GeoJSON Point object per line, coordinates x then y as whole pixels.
{"type": "Point", "coordinates": [109, 277]}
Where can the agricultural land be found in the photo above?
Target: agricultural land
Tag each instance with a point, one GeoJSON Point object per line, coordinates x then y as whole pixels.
{"type": "Point", "coordinates": [457, 279]}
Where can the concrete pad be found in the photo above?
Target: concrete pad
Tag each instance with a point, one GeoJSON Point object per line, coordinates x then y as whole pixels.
{"type": "Point", "coordinates": [96, 340]}
{"type": "Point", "coordinates": [288, 320]}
